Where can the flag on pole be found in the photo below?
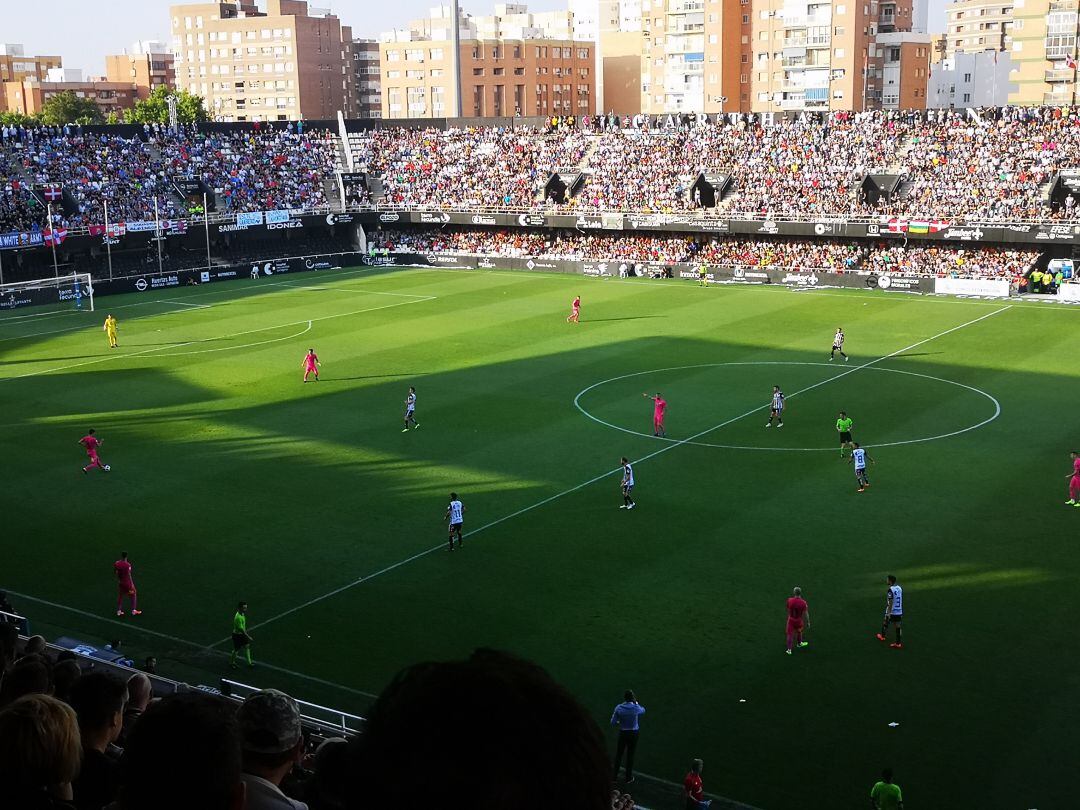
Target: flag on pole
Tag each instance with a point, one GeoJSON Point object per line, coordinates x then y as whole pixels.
{"type": "Point", "coordinates": [52, 193]}
{"type": "Point", "coordinates": [54, 236]}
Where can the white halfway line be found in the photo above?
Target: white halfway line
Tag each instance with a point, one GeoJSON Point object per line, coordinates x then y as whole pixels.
{"type": "Point", "coordinates": [593, 480]}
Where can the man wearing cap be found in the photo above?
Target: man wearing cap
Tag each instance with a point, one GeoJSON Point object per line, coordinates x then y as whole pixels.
{"type": "Point", "coordinates": [271, 742]}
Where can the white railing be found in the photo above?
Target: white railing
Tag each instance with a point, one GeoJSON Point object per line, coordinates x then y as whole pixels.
{"type": "Point", "coordinates": [321, 716]}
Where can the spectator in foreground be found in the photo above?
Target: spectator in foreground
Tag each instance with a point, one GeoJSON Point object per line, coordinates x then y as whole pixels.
{"type": "Point", "coordinates": [9, 637]}
{"type": "Point", "coordinates": [28, 676]}
{"type": "Point", "coordinates": [693, 788]}
{"type": "Point", "coordinates": [39, 754]}
{"type": "Point", "coordinates": [140, 691]}
{"type": "Point", "coordinates": [492, 732]}
{"type": "Point", "coordinates": [329, 785]}
{"type": "Point", "coordinates": [885, 795]}
{"type": "Point", "coordinates": [184, 753]}
{"type": "Point", "coordinates": [98, 700]}
{"type": "Point", "coordinates": [64, 675]}
{"type": "Point", "coordinates": [271, 743]}
{"type": "Point", "coordinates": [626, 716]}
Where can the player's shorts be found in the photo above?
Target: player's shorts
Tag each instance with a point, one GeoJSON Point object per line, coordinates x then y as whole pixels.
{"type": "Point", "coordinates": [410, 411]}
{"type": "Point", "coordinates": [627, 489]}
{"type": "Point", "coordinates": [845, 436]}
{"type": "Point", "coordinates": [127, 590]}
{"type": "Point", "coordinates": [455, 528]}
{"type": "Point", "coordinates": [895, 618]}
{"type": "Point", "coordinates": [776, 411]}
{"type": "Point", "coordinates": [93, 458]}
{"type": "Point", "coordinates": [239, 641]}
{"type": "Point", "coordinates": [794, 626]}
{"type": "Point", "coordinates": [860, 472]}
{"type": "Point", "coordinates": [837, 347]}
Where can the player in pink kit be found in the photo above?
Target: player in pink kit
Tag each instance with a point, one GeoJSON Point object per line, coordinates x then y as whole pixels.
{"type": "Point", "coordinates": [575, 311]}
{"type": "Point", "coordinates": [92, 443]}
{"type": "Point", "coordinates": [125, 586]}
{"type": "Point", "coordinates": [1074, 480]}
{"type": "Point", "coordinates": [798, 619]}
{"type": "Point", "coordinates": [659, 406]}
{"type": "Point", "coordinates": [311, 364]}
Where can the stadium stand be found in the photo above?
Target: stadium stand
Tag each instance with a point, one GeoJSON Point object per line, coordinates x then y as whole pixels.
{"type": "Point", "coordinates": [955, 165]}
{"type": "Point", "coordinates": [730, 251]}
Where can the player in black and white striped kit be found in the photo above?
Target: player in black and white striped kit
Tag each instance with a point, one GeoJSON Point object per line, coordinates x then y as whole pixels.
{"type": "Point", "coordinates": [455, 515]}
{"type": "Point", "coordinates": [838, 345]}
{"type": "Point", "coordinates": [776, 409]}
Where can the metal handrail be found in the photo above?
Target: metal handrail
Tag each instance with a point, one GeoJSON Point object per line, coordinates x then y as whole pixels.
{"type": "Point", "coordinates": [340, 720]}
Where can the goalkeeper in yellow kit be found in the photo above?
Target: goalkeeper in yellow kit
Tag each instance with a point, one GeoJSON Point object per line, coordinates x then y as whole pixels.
{"type": "Point", "coordinates": [110, 330]}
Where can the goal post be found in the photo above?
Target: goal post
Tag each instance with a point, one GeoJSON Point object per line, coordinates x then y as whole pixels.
{"type": "Point", "coordinates": [44, 296]}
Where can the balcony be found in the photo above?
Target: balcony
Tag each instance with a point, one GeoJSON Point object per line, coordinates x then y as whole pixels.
{"type": "Point", "coordinates": [1062, 75]}
{"type": "Point", "coordinates": [1057, 52]}
{"type": "Point", "coordinates": [1064, 5]}
{"type": "Point", "coordinates": [792, 103]}
{"type": "Point", "coordinates": [795, 42]}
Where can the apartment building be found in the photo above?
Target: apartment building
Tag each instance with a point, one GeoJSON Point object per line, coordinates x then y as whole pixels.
{"type": "Point", "coordinates": [286, 63]}
{"type": "Point", "coordinates": [514, 63]}
{"type": "Point", "coordinates": [614, 27]}
{"type": "Point", "coordinates": [978, 79]}
{"type": "Point", "coordinates": [849, 55]}
{"type": "Point", "coordinates": [15, 66]}
{"type": "Point", "coordinates": [28, 95]}
{"type": "Point", "coordinates": [148, 66]}
{"type": "Point", "coordinates": [695, 56]}
{"type": "Point", "coordinates": [367, 81]}
{"type": "Point", "coordinates": [1036, 38]}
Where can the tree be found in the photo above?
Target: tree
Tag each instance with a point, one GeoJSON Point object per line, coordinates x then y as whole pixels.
{"type": "Point", "coordinates": [114, 117]}
{"type": "Point", "coordinates": [68, 108]}
{"type": "Point", "coordinates": [155, 109]}
{"type": "Point", "coordinates": [17, 119]}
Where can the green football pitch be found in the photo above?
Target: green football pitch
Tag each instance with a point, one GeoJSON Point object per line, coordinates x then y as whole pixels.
{"type": "Point", "coordinates": [233, 480]}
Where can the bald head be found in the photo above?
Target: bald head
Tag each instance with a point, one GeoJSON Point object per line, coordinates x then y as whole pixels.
{"type": "Point", "coordinates": [797, 591]}
{"type": "Point", "coordinates": [140, 691]}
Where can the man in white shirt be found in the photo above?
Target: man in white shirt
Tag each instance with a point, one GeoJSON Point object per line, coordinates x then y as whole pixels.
{"type": "Point", "coordinates": [272, 742]}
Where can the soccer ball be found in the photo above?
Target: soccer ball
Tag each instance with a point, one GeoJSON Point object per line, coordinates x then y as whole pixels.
{"type": "Point", "coordinates": [107, 468]}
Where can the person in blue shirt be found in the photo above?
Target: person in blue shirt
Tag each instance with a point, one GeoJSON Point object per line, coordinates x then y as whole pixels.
{"type": "Point", "coordinates": [626, 716]}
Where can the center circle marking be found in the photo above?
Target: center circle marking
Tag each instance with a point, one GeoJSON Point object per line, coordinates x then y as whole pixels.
{"type": "Point", "coordinates": [598, 420]}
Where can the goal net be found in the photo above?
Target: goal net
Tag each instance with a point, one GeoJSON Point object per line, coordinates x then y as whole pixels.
{"type": "Point", "coordinates": [43, 296]}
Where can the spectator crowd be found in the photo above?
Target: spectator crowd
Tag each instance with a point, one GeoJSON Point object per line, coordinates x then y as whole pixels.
{"type": "Point", "coordinates": [953, 165]}
{"type": "Point", "coordinates": [487, 733]}
{"type": "Point", "coordinates": [724, 251]}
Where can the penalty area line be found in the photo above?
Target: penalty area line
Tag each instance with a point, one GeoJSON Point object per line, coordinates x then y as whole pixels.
{"type": "Point", "coordinates": [307, 322]}
{"type": "Point", "coordinates": [667, 448]}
